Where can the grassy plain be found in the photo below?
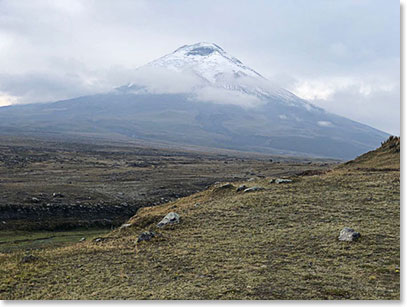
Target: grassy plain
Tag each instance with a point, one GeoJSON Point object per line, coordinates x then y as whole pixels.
{"type": "Point", "coordinates": [277, 243]}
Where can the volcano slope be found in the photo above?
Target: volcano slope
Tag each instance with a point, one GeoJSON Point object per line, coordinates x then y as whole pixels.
{"type": "Point", "coordinates": [277, 243]}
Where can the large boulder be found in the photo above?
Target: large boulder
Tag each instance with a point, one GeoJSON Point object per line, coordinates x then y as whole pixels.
{"type": "Point", "coordinates": [170, 218]}
{"type": "Point", "coordinates": [348, 234]}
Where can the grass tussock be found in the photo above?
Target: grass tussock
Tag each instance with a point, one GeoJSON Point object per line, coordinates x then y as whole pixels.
{"type": "Point", "coordinates": [277, 243]}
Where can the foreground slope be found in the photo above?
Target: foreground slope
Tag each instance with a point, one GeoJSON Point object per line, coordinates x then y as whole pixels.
{"type": "Point", "coordinates": [278, 243]}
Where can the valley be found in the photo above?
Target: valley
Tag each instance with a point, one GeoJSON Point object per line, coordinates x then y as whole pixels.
{"type": "Point", "coordinates": [54, 184]}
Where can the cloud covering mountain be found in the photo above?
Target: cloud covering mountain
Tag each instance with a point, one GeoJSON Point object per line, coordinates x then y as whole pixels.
{"type": "Point", "coordinates": [200, 95]}
{"type": "Point", "coordinates": [343, 56]}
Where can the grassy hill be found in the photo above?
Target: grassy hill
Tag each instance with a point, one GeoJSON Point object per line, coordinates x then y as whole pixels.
{"type": "Point", "coordinates": [276, 243]}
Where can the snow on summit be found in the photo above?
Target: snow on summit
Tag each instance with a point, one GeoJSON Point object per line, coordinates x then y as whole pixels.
{"type": "Point", "coordinates": [211, 74]}
{"type": "Point", "coordinates": [208, 60]}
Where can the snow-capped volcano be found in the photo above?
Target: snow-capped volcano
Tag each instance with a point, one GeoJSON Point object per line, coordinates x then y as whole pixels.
{"type": "Point", "coordinates": [200, 95]}
{"type": "Point", "coordinates": [211, 67]}
{"type": "Point", "coordinates": [207, 60]}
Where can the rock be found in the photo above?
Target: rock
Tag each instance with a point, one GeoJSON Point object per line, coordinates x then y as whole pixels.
{"type": "Point", "coordinates": [251, 179]}
{"type": "Point", "coordinates": [170, 218]}
{"type": "Point", "coordinates": [348, 234]}
{"type": "Point", "coordinates": [29, 259]}
{"type": "Point", "coordinates": [146, 236]}
{"type": "Point", "coordinates": [82, 239]}
{"type": "Point", "coordinates": [98, 239]}
{"type": "Point", "coordinates": [60, 195]}
{"type": "Point", "coordinates": [35, 200]}
{"type": "Point", "coordinates": [279, 180]}
{"type": "Point", "coordinates": [124, 226]}
{"type": "Point", "coordinates": [253, 189]}
{"type": "Point", "coordinates": [241, 188]}
{"type": "Point", "coordinates": [225, 186]}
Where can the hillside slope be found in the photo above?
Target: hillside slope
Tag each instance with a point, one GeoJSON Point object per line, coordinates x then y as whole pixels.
{"type": "Point", "coordinates": [385, 157]}
{"type": "Point", "coordinates": [276, 243]}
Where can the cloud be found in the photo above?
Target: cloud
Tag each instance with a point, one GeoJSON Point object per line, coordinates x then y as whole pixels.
{"type": "Point", "coordinates": [6, 100]}
{"type": "Point", "coordinates": [323, 123]}
{"type": "Point", "coordinates": [376, 104]}
{"type": "Point", "coordinates": [323, 89]}
{"type": "Point", "coordinates": [52, 50]}
{"type": "Point", "coordinates": [224, 96]}
{"type": "Point", "coordinates": [160, 80]}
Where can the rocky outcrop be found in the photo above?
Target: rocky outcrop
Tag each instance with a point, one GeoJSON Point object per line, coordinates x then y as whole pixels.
{"type": "Point", "coordinates": [63, 216]}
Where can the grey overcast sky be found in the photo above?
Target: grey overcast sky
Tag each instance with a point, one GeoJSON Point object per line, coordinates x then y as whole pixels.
{"type": "Point", "coordinates": [342, 55]}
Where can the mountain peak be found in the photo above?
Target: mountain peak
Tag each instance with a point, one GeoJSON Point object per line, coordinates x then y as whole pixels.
{"type": "Point", "coordinates": [202, 49]}
{"type": "Point", "coordinates": [207, 60]}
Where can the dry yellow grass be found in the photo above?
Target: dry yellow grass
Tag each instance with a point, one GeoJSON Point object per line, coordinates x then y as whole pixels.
{"type": "Point", "coordinates": [279, 243]}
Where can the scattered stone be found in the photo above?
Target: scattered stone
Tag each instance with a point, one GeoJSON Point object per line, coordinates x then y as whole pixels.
{"type": "Point", "coordinates": [98, 239]}
{"type": "Point", "coordinates": [251, 179]}
{"type": "Point", "coordinates": [35, 200]}
{"type": "Point", "coordinates": [348, 234]}
{"type": "Point", "coordinates": [197, 204]}
{"type": "Point", "coordinates": [253, 189]}
{"type": "Point", "coordinates": [146, 236]}
{"type": "Point", "coordinates": [224, 187]}
{"type": "Point", "coordinates": [29, 259]}
{"type": "Point", "coordinates": [124, 226]}
{"type": "Point", "coordinates": [279, 180]}
{"type": "Point", "coordinates": [170, 218]}
{"type": "Point", "coordinates": [241, 188]}
{"type": "Point", "coordinates": [82, 239]}
{"type": "Point", "coordinates": [59, 195]}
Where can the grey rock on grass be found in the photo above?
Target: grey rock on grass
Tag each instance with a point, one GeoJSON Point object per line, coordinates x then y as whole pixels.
{"type": "Point", "coordinates": [241, 188]}
{"type": "Point", "coordinates": [225, 186]}
{"type": "Point", "coordinates": [348, 234]}
{"type": "Point", "coordinates": [124, 226]}
{"type": "Point", "coordinates": [279, 180]}
{"type": "Point", "coordinates": [253, 189]}
{"type": "Point", "coordinates": [170, 218]}
{"type": "Point", "coordinates": [146, 236]}
{"type": "Point", "coordinates": [29, 259]}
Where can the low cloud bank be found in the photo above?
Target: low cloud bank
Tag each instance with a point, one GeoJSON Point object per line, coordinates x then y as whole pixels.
{"type": "Point", "coordinates": [229, 90]}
